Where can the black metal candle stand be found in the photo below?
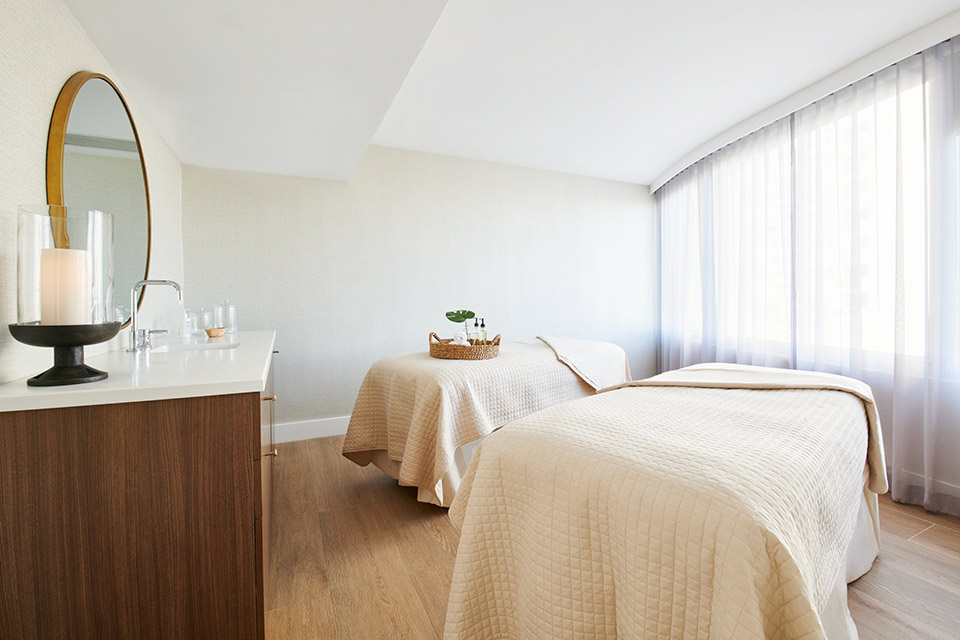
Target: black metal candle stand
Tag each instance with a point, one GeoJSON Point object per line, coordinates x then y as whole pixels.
{"type": "Point", "coordinates": [67, 341]}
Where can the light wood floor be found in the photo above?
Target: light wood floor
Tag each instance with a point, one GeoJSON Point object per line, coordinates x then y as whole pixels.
{"type": "Point", "coordinates": [356, 556]}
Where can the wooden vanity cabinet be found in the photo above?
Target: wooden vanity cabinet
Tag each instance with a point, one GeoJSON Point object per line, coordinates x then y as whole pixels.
{"type": "Point", "coordinates": [139, 520]}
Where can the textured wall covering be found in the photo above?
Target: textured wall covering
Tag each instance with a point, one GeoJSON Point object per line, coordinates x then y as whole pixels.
{"type": "Point", "coordinates": [41, 45]}
{"type": "Point", "coordinates": [350, 272]}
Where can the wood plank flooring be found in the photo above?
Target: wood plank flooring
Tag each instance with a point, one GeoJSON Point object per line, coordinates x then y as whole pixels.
{"type": "Point", "coordinates": [913, 589]}
{"type": "Point", "coordinates": [357, 557]}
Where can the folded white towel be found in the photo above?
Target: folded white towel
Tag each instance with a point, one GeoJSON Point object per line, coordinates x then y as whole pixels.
{"type": "Point", "coordinates": [461, 338]}
{"type": "Point", "coordinates": [600, 364]}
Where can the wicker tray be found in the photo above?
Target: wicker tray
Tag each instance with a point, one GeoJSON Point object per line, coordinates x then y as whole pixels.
{"type": "Point", "coordinates": [444, 350]}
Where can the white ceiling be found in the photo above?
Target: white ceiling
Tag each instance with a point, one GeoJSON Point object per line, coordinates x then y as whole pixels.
{"type": "Point", "coordinates": [617, 89]}
{"type": "Point", "coordinates": [292, 87]}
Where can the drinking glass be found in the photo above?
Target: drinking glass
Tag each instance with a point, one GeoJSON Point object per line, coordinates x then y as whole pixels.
{"type": "Point", "coordinates": [231, 319]}
{"type": "Point", "coordinates": [218, 315]}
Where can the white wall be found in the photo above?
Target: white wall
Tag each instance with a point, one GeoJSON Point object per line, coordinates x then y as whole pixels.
{"type": "Point", "coordinates": [41, 46]}
{"type": "Point", "coordinates": [351, 272]}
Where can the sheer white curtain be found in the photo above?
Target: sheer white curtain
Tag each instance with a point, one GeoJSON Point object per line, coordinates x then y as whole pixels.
{"type": "Point", "coordinates": [830, 240]}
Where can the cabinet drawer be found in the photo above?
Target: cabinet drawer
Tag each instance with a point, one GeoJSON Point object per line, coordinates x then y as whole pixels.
{"type": "Point", "coordinates": [263, 438]}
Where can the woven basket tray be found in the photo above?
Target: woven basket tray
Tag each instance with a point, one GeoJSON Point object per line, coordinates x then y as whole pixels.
{"type": "Point", "coordinates": [444, 350]}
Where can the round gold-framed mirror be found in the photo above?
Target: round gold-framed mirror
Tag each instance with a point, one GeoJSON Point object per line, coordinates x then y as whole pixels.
{"type": "Point", "coordinates": [95, 160]}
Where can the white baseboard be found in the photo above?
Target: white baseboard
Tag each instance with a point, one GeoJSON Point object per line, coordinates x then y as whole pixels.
{"type": "Point", "coordinates": [292, 431]}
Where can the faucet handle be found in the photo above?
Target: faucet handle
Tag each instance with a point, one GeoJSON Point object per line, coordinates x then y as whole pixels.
{"type": "Point", "coordinates": [148, 337]}
{"type": "Point", "coordinates": [139, 339]}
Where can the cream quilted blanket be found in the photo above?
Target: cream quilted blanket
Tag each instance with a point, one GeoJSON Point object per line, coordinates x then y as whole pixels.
{"type": "Point", "coordinates": [653, 511]}
{"type": "Point", "coordinates": [418, 410]}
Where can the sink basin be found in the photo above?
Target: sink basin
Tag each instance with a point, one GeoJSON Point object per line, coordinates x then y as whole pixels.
{"type": "Point", "coordinates": [195, 346]}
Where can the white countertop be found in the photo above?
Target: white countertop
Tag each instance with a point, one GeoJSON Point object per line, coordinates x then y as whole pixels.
{"type": "Point", "coordinates": [182, 369]}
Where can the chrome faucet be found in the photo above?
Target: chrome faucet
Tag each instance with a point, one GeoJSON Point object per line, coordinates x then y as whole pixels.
{"type": "Point", "coordinates": [140, 338]}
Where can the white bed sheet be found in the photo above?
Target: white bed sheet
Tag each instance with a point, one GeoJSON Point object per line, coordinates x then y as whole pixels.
{"type": "Point", "coordinates": [863, 550]}
{"type": "Point", "coordinates": [511, 501]}
{"type": "Point", "coordinates": [414, 412]}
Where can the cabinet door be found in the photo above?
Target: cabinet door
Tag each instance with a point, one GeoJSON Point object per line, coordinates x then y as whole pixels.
{"type": "Point", "coordinates": [268, 453]}
{"type": "Point", "coordinates": [129, 520]}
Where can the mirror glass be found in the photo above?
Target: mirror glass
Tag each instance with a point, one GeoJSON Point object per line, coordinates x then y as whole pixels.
{"type": "Point", "coordinates": [101, 167]}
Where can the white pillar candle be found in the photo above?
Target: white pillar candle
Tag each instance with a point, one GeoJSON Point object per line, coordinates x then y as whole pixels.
{"type": "Point", "coordinates": [64, 287]}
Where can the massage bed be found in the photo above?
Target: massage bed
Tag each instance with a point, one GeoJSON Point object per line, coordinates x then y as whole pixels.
{"type": "Point", "coordinates": [419, 419]}
{"type": "Point", "coordinates": [717, 501]}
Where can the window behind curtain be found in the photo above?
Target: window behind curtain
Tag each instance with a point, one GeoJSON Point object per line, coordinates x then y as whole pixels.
{"type": "Point", "coordinates": [830, 240]}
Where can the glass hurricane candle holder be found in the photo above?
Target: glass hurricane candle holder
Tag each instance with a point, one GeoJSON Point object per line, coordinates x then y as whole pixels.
{"type": "Point", "coordinates": [64, 287]}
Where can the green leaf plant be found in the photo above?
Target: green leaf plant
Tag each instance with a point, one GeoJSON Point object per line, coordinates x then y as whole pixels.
{"type": "Point", "coordinates": [461, 315]}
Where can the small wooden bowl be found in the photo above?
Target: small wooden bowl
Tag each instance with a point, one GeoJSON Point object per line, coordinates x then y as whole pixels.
{"type": "Point", "coordinates": [215, 332]}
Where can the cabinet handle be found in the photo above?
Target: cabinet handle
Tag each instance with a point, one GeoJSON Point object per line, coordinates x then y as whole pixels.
{"type": "Point", "coordinates": [276, 351]}
{"type": "Point", "coordinates": [270, 398]}
{"type": "Point", "coordinates": [273, 453]}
